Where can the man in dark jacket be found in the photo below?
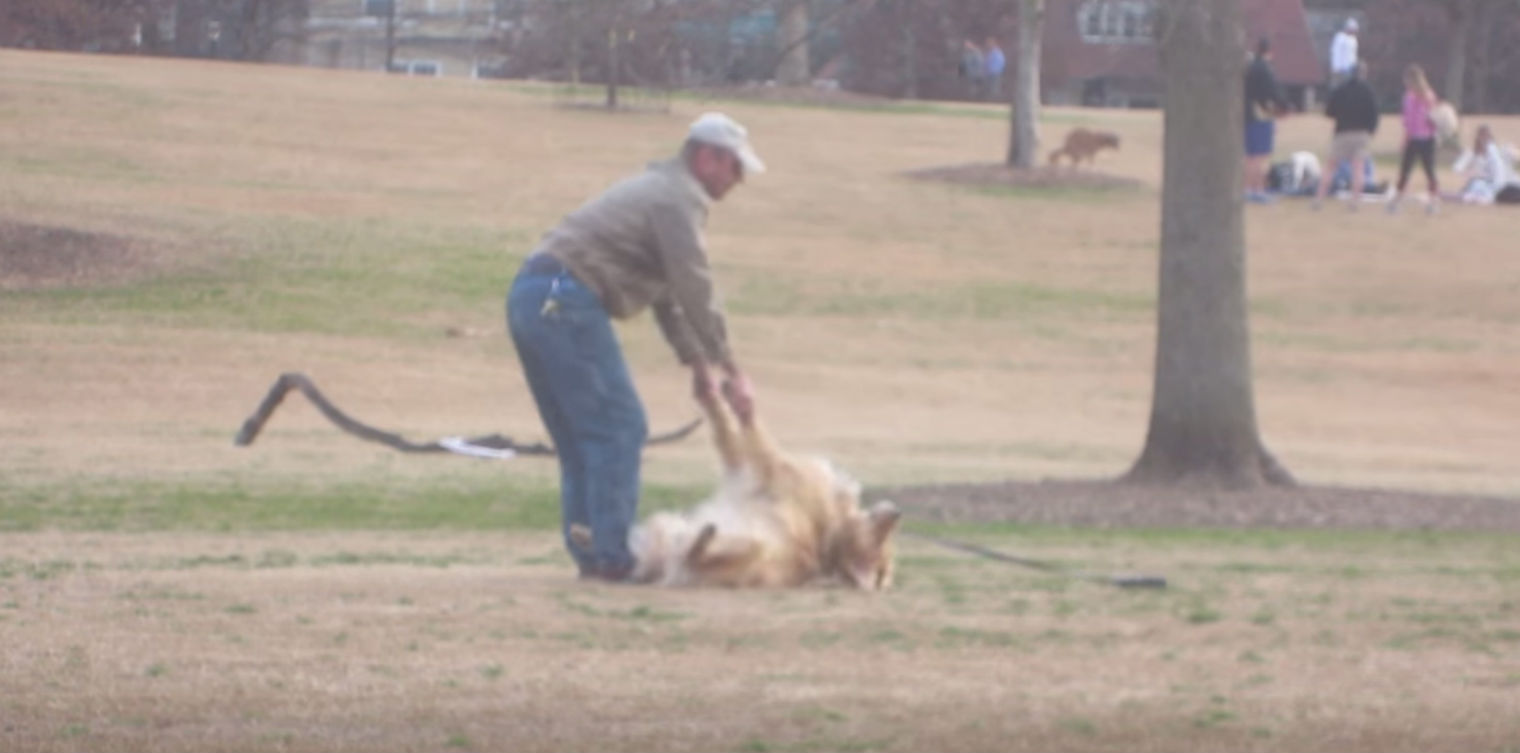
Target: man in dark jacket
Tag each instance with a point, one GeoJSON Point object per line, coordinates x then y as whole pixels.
{"type": "Point", "coordinates": [1264, 102]}
{"type": "Point", "coordinates": [1354, 108]}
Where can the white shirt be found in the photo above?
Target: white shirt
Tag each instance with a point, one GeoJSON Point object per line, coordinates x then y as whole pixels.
{"type": "Point", "coordinates": [1491, 166]}
{"type": "Point", "coordinates": [1342, 52]}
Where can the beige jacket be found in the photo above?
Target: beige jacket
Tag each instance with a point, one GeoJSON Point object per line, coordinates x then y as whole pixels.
{"type": "Point", "coordinates": [640, 244]}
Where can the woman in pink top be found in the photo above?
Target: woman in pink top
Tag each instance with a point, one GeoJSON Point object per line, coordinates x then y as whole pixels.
{"type": "Point", "coordinates": [1419, 135]}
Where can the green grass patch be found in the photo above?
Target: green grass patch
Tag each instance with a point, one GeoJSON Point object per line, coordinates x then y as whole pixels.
{"type": "Point", "coordinates": [1497, 548]}
{"type": "Point", "coordinates": [338, 276]}
{"type": "Point", "coordinates": [998, 112]}
{"type": "Point", "coordinates": [380, 503]}
{"type": "Point", "coordinates": [776, 295]}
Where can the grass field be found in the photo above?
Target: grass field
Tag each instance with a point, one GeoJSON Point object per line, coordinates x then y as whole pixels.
{"type": "Point", "coordinates": [215, 225]}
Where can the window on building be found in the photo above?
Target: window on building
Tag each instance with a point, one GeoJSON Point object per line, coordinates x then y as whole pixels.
{"type": "Point", "coordinates": [1117, 20]}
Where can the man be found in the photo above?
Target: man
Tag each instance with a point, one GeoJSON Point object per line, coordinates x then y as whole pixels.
{"type": "Point", "coordinates": [973, 68]}
{"type": "Point", "coordinates": [1354, 108]}
{"type": "Point", "coordinates": [1343, 53]}
{"type": "Point", "coordinates": [1264, 101]}
{"type": "Point", "coordinates": [996, 63]}
{"type": "Point", "coordinates": [637, 245]}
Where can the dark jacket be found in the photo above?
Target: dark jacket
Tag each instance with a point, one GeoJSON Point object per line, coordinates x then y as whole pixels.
{"type": "Point", "coordinates": [1354, 107]}
{"type": "Point", "coordinates": [1262, 91]}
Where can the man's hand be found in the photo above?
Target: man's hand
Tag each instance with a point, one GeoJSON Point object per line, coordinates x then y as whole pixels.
{"type": "Point", "coordinates": [703, 385]}
{"type": "Point", "coordinates": [740, 394]}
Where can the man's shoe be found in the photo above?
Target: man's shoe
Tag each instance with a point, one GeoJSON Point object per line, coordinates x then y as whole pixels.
{"type": "Point", "coordinates": [609, 574]}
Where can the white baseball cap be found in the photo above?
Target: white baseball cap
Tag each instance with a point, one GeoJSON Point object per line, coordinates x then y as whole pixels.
{"type": "Point", "coordinates": [1351, 24]}
{"type": "Point", "coordinates": [719, 130]}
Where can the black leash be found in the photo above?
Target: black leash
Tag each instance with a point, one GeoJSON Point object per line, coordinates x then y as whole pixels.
{"type": "Point", "coordinates": [1120, 580]}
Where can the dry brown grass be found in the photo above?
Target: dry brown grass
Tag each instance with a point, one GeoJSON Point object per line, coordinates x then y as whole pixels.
{"type": "Point", "coordinates": [913, 331]}
{"type": "Point", "coordinates": [1382, 351]}
{"type": "Point", "coordinates": [429, 642]}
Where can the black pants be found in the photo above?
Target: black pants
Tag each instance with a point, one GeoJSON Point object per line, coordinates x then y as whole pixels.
{"type": "Point", "coordinates": [1425, 149]}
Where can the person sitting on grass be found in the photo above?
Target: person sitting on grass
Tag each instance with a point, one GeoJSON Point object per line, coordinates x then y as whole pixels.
{"type": "Point", "coordinates": [1490, 174]}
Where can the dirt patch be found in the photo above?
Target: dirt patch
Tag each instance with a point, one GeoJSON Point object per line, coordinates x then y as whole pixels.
{"type": "Point", "coordinates": [35, 257]}
{"type": "Point", "coordinates": [1099, 504]}
{"type": "Point", "coordinates": [481, 641]}
{"type": "Point", "coordinates": [999, 175]}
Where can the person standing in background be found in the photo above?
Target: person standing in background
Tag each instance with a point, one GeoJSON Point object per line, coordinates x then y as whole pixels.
{"type": "Point", "coordinates": [1343, 53]}
{"type": "Point", "coordinates": [1419, 137]}
{"type": "Point", "coordinates": [973, 68]}
{"type": "Point", "coordinates": [996, 63]}
{"type": "Point", "coordinates": [1354, 109]}
{"type": "Point", "coordinates": [1264, 102]}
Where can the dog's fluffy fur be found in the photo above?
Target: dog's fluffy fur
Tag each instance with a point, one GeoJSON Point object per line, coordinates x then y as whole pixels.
{"type": "Point", "coordinates": [1082, 143]}
{"type": "Point", "coordinates": [777, 520]}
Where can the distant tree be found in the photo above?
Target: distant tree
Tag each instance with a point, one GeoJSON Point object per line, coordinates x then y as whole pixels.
{"type": "Point", "coordinates": [88, 25]}
{"type": "Point", "coordinates": [1462, 16]}
{"type": "Point", "coordinates": [1468, 46]}
{"type": "Point", "coordinates": [792, 36]}
{"type": "Point", "coordinates": [1024, 138]}
{"type": "Point", "coordinates": [1203, 415]}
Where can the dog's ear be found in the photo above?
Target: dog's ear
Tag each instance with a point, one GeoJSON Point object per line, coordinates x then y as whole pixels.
{"type": "Point", "coordinates": [884, 519]}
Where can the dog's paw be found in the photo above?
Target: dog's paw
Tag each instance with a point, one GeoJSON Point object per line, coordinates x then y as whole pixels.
{"type": "Point", "coordinates": [699, 546]}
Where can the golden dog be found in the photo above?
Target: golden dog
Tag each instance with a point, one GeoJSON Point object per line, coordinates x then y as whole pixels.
{"type": "Point", "coordinates": [777, 520]}
{"type": "Point", "coordinates": [1082, 143]}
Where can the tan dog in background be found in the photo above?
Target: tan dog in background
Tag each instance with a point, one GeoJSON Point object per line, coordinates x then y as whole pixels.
{"type": "Point", "coordinates": [1082, 143]}
{"type": "Point", "coordinates": [777, 520]}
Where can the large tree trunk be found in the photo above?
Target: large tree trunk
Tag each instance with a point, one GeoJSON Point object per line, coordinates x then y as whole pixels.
{"type": "Point", "coordinates": [1203, 415]}
{"type": "Point", "coordinates": [1024, 139]}
{"type": "Point", "coordinates": [793, 30]}
{"type": "Point", "coordinates": [1461, 13]}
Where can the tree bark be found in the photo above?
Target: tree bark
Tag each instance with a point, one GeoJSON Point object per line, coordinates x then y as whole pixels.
{"type": "Point", "coordinates": [1460, 12]}
{"type": "Point", "coordinates": [612, 67]}
{"type": "Point", "coordinates": [1024, 138]}
{"type": "Point", "coordinates": [793, 30]}
{"type": "Point", "coordinates": [1482, 56]}
{"type": "Point", "coordinates": [1203, 417]}
{"type": "Point", "coordinates": [573, 10]}
{"type": "Point", "coordinates": [390, 36]}
{"type": "Point", "coordinates": [910, 58]}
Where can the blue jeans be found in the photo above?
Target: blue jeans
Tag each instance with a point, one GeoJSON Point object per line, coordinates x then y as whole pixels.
{"type": "Point", "coordinates": [575, 369]}
{"type": "Point", "coordinates": [1259, 137]}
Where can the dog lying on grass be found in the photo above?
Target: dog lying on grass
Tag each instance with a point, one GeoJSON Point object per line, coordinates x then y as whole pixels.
{"type": "Point", "coordinates": [776, 521]}
{"type": "Point", "coordinates": [1081, 144]}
